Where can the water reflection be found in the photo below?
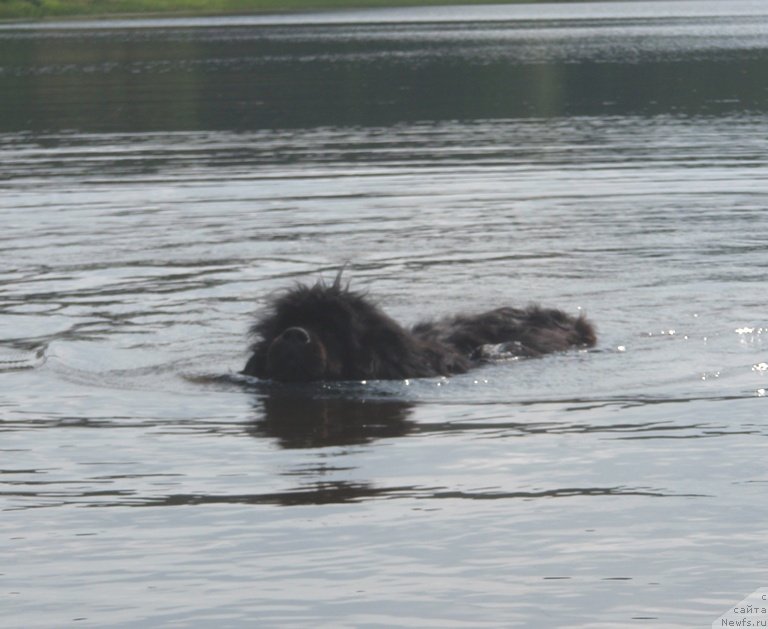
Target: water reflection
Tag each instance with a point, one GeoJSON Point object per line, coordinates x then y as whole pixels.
{"type": "Point", "coordinates": [301, 420]}
{"type": "Point", "coordinates": [337, 492]}
{"type": "Point", "coordinates": [310, 417]}
{"type": "Point", "coordinates": [173, 77]}
{"type": "Point", "coordinates": [343, 492]}
{"type": "Point", "coordinates": [308, 426]}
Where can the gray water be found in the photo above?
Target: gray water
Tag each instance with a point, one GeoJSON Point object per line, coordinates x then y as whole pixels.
{"type": "Point", "coordinates": [161, 179]}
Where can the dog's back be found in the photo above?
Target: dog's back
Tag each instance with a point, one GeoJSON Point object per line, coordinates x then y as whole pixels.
{"type": "Point", "coordinates": [532, 331]}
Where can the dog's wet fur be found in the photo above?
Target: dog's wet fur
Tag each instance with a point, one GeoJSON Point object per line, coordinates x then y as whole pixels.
{"type": "Point", "coordinates": [329, 332]}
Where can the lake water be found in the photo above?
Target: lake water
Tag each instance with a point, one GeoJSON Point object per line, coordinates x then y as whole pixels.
{"type": "Point", "coordinates": [160, 179]}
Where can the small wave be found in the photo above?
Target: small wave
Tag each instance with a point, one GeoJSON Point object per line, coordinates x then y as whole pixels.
{"type": "Point", "coordinates": [13, 359]}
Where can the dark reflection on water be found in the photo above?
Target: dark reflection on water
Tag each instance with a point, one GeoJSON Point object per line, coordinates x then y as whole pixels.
{"type": "Point", "coordinates": [310, 494]}
{"type": "Point", "coordinates": [343, 493]}
{"type": "Point", "coordinates": [299, 420]}
{"type": "Point", "coordinates": [41, 493]}
{"type": "Point", "coordinates": [301, 416]}
{"type": "Point", "coordinates": [267, 76]}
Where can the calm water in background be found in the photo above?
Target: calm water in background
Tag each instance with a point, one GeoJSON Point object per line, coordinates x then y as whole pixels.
{"type": "Point", "coordinates": [160, 179]}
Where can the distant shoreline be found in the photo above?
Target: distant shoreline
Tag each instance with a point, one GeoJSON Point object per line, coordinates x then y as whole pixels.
{"type": "Point", "coordinates": [38, 10]}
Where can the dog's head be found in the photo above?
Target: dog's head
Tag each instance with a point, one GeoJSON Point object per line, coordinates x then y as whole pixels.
{"type": "Point", "coordinates": [320, 333]}
{"type": "Point", "coordinates": [298, 354]}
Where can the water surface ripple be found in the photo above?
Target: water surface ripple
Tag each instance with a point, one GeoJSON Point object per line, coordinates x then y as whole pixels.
{"type": "Point", "coordinates": [162, 180]}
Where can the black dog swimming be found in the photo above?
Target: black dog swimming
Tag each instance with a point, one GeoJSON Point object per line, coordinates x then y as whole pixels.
{"type": "Point", "coordinates": [324, 332]}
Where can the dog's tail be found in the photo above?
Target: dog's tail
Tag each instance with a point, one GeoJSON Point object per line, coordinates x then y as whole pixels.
{"type": "Point", "coordinates": [586, 331]}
